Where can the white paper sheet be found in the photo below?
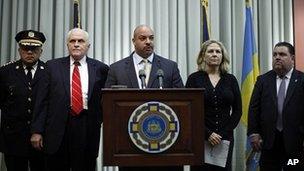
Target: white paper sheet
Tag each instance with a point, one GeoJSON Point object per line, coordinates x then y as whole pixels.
{"type": "Point", "coordinates": [217, 155]}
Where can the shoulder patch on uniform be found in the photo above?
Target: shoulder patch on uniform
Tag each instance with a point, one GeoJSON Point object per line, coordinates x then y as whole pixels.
{"type": "Point", "coordinates": [10, 62]}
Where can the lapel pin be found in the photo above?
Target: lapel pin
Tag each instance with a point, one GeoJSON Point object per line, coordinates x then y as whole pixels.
{"type": "Point", "coordinates": [296, 80]}
{"type": "Point", "coordinates": [41, 67]}
{"type": "Point", "coordinates": [17, 67]}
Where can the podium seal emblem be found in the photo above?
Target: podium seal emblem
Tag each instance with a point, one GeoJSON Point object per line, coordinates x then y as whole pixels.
{"type": "Point", "coordinates": [153, 127]}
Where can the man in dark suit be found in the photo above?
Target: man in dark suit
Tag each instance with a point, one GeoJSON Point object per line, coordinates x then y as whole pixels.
{"type": "Point", "coordinates": [276, 113]}
{"type": "Point", "coordinates": [19, 82]}
{"type": "Point", "coordinates": [68, 112]}
{"type": "Point", "coordinates": [126, 72]}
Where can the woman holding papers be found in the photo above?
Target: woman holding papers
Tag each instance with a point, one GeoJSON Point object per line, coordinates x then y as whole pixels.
{"type": "Point", "coordinates": [223, 105]}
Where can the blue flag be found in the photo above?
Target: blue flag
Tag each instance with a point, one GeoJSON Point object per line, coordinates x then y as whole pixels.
{"type": "Point", "coordinates": [250, 71]}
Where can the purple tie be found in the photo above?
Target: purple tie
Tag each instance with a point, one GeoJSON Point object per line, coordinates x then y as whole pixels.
{"type": "Point", "coordinates": [281, 98]}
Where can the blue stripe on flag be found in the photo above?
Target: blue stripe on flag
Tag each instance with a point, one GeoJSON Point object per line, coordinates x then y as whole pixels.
{"type": "Point", "coordinates": [249, 45]}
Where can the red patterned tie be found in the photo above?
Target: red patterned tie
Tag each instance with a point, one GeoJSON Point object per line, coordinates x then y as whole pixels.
{"type": "Point", "coordinates": [77, 104]}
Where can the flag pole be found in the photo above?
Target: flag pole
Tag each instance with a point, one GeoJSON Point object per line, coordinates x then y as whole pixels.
{"type": "Point", "coordinates": [76, 22]}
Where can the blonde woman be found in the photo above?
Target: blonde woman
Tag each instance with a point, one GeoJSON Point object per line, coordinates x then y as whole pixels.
{"type": "Point", "coordinates": [223, 106]}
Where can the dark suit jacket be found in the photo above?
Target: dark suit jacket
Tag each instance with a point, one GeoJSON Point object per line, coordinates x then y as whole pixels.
{"type": "Point", "coordinates": [53, 107]}
{"type": "Point", "coordinates": [16, 102]}
{"type": "Point", "coordinates": [263, 111]}
{"type": "Point", "coordinates": [123, 73]}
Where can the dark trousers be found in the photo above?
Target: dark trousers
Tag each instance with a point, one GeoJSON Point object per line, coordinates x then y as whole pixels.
{"type": "Point", "coordinates": [209, 167]}
{"type": "Point", "coordinates": [73, 153]}
{"type": "Point", "coordinates": [277, 158]}
{"type": "Point", "coordinates": [35, 161]}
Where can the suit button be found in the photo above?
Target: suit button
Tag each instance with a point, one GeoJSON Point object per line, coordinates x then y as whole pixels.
{"type": "Point", "coordinates": [30, 88]}
{"type": "Point", "coordinates": [28, 122]}
{"type": "Point", "coordinates": [29, 99]}
{"type": "Point", "coordinates": [29, 110]}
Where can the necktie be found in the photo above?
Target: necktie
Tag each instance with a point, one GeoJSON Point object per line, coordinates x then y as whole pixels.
{"type": "Point", "coordinates": [29, 73]}
{"type": "Point", "coordinates": [76, 101]}
{"type": "Point", "coordinates": [147, 68]}
{"type": "Point", "coordinates": [281, 98]}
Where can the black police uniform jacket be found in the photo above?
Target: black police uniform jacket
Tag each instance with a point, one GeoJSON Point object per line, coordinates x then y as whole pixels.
{"type": "Point", "coordinates": [16, 103]}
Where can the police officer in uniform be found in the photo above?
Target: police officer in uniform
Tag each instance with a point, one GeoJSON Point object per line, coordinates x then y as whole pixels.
{"type": "Point", "coordinates": [19, 81]}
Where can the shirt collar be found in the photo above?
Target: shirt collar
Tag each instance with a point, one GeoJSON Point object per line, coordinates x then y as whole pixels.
{"type": "Point", "coordinates": [288, 75]}
{"type": "Point", "coordinates": [137, 59]}
{"type": "Point", "coordinates": [34, 66]}
{"type": "Point", "coordinates": [82, 61]}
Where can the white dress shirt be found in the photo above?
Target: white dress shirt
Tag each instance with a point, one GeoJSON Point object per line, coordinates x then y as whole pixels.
{"type": "Point", "coordinates": [33, 71]}
{"type": "Point", "coordinates": [84, 78]}
{"type": "Point", "coordinates": [287, 80]}
{"type": "Point", "coordinates": [138, 65]}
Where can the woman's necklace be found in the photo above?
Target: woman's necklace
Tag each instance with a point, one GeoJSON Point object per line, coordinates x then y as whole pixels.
{"type": "Point", "coordinates": [214, 79]}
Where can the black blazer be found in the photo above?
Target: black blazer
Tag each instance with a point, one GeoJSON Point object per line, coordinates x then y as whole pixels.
{"type": "Point", "coordinates": [16, 102]}
{"type": "Point", "coordinates": [123, 73]}
{"type": "Point", "coordinates": [223, 104]}
{"type": "Point", "coordinates": [263, 111]}
{"type": "Point", "coordinates": [53, 106]}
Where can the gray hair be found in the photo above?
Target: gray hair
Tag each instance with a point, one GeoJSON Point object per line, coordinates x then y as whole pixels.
{"type": "Point", "coordinates": [86, 34]}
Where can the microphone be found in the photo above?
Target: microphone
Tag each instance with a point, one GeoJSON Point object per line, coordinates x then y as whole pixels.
{"type": "Point", "coordinates": [142, 76]}
{"type": "Point", "coordinates": [160, 76]}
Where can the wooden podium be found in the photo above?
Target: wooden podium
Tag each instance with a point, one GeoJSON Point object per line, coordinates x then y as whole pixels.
{"type": "Point", "coordinates": [118, 148]}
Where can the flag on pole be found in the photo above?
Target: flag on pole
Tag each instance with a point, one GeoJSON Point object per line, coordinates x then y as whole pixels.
{"type": "Point", "coordinates": [76, 21]}
{"type": "Point", "coordinates": [205, 23]}
{"type": "Point", "coordinates": [250, 72]}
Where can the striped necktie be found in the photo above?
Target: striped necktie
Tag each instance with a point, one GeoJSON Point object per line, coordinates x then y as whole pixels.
{"type": "Point", "coordinates": [76, 101]}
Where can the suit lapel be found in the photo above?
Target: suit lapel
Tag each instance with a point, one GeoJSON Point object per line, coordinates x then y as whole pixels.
{"type": "Point", "coordinates": [292, 84]}
{"type": "Point", "coordinates": [156, 64]}
{"type": "Point", "coordinates": [65, 70]}
{"type": "Point", "coordinates": [129, 67]}
{"type": "Point", "coordinates": [92, 76]}
{"type": "Point", "coordinates": [20, 72]}
{"type": "Point", "coordinates": [273, 88]}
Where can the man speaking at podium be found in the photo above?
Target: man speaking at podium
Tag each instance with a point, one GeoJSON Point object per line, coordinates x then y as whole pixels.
{"type": "Point", "coordinates": [144, 69]}
{"type": "Point", "coordinates": [144, 64]}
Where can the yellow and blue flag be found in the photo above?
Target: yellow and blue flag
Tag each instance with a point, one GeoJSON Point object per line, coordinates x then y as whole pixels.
{"type": "Point", "coordinates": [205, 23]}
{"type": "Point", "coordinates": [250, 72]}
